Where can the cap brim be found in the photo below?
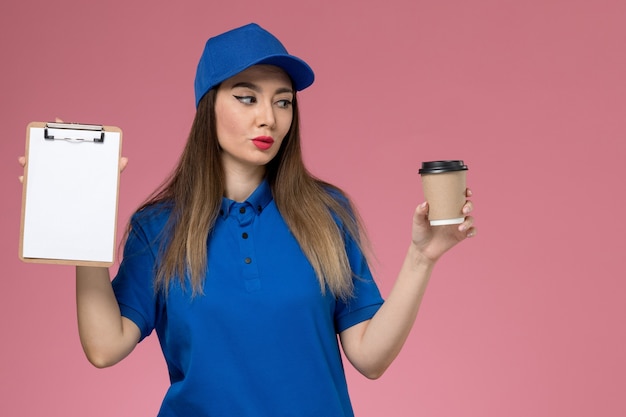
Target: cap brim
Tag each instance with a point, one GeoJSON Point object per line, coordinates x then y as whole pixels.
{"type": "Point", "coordinates": [299, 71]}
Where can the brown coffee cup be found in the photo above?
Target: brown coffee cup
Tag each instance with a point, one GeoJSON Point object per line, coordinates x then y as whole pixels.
{"type": "Point", "coordinates": [444, 185]}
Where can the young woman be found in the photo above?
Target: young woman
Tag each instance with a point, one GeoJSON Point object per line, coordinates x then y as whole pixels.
{"type": "Point", "coordinates": [249, 269]}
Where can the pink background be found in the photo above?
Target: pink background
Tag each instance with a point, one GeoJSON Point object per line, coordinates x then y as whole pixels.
{"type": "Point", "coordinates": [528, 319]}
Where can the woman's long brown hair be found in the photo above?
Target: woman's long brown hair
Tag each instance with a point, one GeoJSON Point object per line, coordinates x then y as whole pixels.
{"type": "Point", "coordinates": [194, 193]}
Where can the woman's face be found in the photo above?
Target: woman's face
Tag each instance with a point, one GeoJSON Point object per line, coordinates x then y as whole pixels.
{"type": "Point", "coordinates": [253, 113]}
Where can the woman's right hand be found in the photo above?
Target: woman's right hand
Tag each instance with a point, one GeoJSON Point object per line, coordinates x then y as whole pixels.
{"type": "Point", "coordinates": [22, 162]}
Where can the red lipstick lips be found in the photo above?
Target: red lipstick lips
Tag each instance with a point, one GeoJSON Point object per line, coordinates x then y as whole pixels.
{"type": "Point", "coordinates": [263, 142]}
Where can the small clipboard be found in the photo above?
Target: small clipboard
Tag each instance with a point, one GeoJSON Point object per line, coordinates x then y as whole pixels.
{"type": "Point", "coordinates": [70, 194]}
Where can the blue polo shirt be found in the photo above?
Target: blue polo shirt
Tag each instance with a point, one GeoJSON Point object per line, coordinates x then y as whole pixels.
{"type": "Point", "coordinates": [262, 339]}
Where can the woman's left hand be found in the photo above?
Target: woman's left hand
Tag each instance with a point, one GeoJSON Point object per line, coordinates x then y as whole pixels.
{"type": "Point", "coordinates": [433, 241]}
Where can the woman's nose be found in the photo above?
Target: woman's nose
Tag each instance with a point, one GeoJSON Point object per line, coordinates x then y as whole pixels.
{"type": "Point", "coordinates": [266, 115]}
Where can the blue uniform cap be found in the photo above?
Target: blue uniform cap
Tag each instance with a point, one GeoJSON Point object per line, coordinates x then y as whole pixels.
{"type": "Point", "coordinates": [231, 52]}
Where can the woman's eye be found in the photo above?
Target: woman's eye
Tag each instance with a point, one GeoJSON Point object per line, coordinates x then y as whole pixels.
{"type": "Point", "coordinates": [246, 99]}
{"type": "Point", "coordinates": [284, 104]}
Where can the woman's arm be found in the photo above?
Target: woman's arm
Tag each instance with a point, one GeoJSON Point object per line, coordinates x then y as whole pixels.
{"type": "Point", "coordinates": [106, 336]}
{"type": "Point", "coordinates": [371, 346]}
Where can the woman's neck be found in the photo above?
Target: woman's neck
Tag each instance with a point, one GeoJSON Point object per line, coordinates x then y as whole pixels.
{"type": "Point", "coordinates": [241, 183]}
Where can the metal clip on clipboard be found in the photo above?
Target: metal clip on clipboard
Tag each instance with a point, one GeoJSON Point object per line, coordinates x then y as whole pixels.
{"type": "Point", "coordinates": [74, 132]}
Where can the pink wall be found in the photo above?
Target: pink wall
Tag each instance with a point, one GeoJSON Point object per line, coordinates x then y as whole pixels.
{"type": "Point", "coordinates": [528, 319]}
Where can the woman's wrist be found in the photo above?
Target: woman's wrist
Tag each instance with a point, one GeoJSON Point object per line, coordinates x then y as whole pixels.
{"type": "Point", "coordinates": [418, 259]}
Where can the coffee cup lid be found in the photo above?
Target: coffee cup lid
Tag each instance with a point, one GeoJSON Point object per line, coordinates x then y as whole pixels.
{"type": "Point", "coordinates": [437, 167]}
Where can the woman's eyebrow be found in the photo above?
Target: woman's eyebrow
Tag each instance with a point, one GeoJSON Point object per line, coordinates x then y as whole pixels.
{"type": "Point", "coordinates": [245, 84]}
{"type": "Point", "coordinates": [284, 90]}
{"type": "Point", "coordinates": [254, 87]}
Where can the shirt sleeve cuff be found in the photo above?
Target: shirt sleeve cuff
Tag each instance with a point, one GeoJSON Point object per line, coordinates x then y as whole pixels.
{"type": "Point", "coordinates": [355, 317]}
{"type": "Point", "coordinates": [136, 318]}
